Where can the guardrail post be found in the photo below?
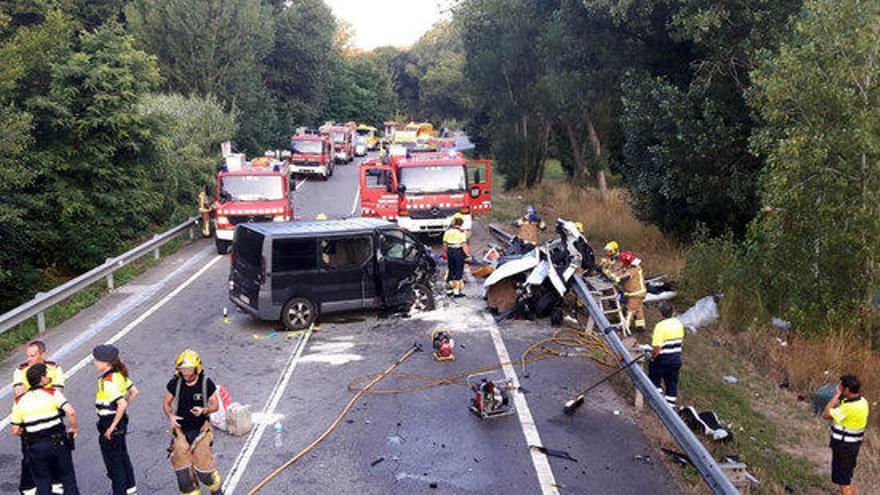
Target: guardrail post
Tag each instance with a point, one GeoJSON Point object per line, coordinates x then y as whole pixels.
{"type": "Point", "coordinates": [190, 231]}
{"type": "Point", "coordinates": [156, 251]}
{"type": "Point", "coordinates": [110, 283]}
{"type": "Point", "coordinates": [41, 316]}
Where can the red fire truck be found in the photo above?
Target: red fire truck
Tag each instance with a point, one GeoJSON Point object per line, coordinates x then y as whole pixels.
{"type": "Point", "coordinates": [342, 137]}
{"type": "Point", "coordinates": [311, 154]}
{"type": "Point", "coordinates": [423, 191]}
{"type": "Point", "coordinates": [249, 194]}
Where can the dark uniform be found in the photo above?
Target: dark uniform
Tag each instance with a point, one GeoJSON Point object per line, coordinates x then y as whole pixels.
{"type": "Point", "coordinates": [46, 445]}
{"type": "Point", "coordinates": [664, 369]}
{"type": "Point", "coordinates": [111, 388]}
{"type": "Point", "coordinates": [56, 380]}
{"type": "Point", "coordinates": [191, 454]}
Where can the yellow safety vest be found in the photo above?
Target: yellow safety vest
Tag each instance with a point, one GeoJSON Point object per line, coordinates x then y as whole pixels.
{"type": "Point", "coordinates": [850, 418]}
{"type": "Point", "coordinates": [111, 388]}
{"type": "Point", "coordinates": [54, 372]}
{"type": "Point", "coordinates": [668, 336]}
{"type": "Point", "coordinates": [38, 411]}
{"type": "Point", "coordinates": [454, 238]}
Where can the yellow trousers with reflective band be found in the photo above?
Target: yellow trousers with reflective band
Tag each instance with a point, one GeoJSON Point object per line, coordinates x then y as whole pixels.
{"type": "Point", "coordinates": [635, 312]}
{"type": "Point", "coordinates": [194, 462]}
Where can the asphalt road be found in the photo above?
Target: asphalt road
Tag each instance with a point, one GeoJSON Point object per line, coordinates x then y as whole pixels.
{"type": "Point", "coordinates": [423, 442]}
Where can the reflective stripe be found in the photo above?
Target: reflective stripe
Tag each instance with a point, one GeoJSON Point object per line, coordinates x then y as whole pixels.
{"type": "Point", "coordinates": [847, 439]}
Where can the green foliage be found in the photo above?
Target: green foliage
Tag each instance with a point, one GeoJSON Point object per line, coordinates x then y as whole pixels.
{"type": "Point", "coordinates": [361, 91]}
{"type": "Point", "coordinates": [213, 47]}
{"type": "Point", "coordinates": [819, 232]}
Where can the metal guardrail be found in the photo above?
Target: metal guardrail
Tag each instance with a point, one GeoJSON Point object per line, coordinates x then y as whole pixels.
{"type": "Point", "coordinates": [709, 469]}
{"type": "Point", "coordinates": [45, 300]}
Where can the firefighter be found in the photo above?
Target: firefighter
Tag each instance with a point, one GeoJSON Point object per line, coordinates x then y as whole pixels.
{"type": "Point", "coordinates": [189, 398]}
{"type": "Point", "coordinates": [610, 261]}
{"type": "Point", "coordinates": [528, 226]}
{"type": "Point", "coordinates": [35, 352]}
{"type": "Point", "coordinates": [634, 290]}
{"type": "Point", "coordinates": [457, 252]}
{"type": "Point", "coordinates": [666, 354]}
{"type": "Point", "coordinates": [115, 394]}
{"type": "Point", "coordinates": [206, 209]}
{"type": "Point", "coordinates": [38, 417]}
{"type": "Point", "coordinates": [848, 412]}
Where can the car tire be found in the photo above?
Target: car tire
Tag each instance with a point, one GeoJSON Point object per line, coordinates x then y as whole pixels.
{"type": "Point", "coordinates": [423, 297]}
{"type": "Point", "coordinates": [222, 246]}
{"type": "Point", "coordinates": [299, 313]}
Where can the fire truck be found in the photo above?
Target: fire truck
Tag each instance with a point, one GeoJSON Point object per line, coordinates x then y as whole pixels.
{"type": "Point", "coordinates": [311, 155]}
{"type": "Point", "coordinates": [246, 193]}
{"type": "Point", "coordinates": [341, 136]}
{"type": "Point", "coordinates": [423, 191]}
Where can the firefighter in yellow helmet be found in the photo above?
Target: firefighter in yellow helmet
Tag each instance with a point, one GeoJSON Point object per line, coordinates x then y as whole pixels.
{"type": "Point", "coordinates": [206, 209]}
{"type": "Point", "coordinates": [189, 398]}
{"type": "Point", "coordinates": [609, 263]}
{"type": "Point", "coordinates": [528, 225]}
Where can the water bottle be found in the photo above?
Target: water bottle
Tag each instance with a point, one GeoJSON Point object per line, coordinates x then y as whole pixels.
{"type": "Point", "coordinates": [279, 441]}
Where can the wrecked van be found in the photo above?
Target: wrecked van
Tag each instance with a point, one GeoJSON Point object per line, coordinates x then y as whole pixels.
{"type": "Point", "coordinates": [296, 271]}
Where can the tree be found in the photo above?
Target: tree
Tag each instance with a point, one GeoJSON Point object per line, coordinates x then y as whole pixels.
{"type": "Point", "coordinates": [818, 236]}
{"type": "Point", "coordinates": [361, 92]}
{"type": "Point", "coordinates": [213, 47]}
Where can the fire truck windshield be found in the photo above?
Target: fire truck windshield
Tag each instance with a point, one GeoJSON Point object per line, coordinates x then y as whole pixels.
{"type": "Point", "coordinates": [253, 187]}
{"type": "Point", "coordinates": [338, 137]}
{"type": "Point", "coordinates": [433, 180]}
{"type": "Point", "coordinates": [305, 147]}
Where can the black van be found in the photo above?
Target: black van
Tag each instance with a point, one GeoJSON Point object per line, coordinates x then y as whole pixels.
{"type": "Point", "coordinates": [295, 271]}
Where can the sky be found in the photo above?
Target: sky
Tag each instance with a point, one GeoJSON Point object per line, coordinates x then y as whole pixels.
{"type": "Point", "coordinates": [388, 22]}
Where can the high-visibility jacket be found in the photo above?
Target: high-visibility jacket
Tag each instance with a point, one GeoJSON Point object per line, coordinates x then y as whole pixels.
{"type": "Point", "coordinates": [668, 336]}
{"type": "Point", "coordinates": [53, 371]}
{"type": "Point", "coordinates": [38, 412]}
{"type": "Point", "coordinates": [111, 388]}
{"type": "Point", "coordinates": [849, 420]}
{"type": "Point", "coordinates": [634, 285]}
{"type": "Point", "coordinates": [454, 238]}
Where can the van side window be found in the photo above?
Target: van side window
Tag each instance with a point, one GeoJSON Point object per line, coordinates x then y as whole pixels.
{"type": "Point", "coordinates": [294, 255]}
{"type": "Point", "coordinates": [397, 245]}
{"type": "Point", "coordinates": [345, 252]}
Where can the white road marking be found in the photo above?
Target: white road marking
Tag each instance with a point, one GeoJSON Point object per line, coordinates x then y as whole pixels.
{"type": "Point", "coordinates": [253, 439]}
{"type": "Point", "coordinates": [539, 460]}
{"type": "Point", "coordinates": [128, 328]}
{"type": "Point", "coordinates": [299, 184]}
{"type": "Point", "coordinates": [357, 197]}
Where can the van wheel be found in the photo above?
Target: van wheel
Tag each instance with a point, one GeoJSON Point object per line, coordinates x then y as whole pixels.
{"type": "Point", "coordinates": [423, 297]}
{"type": "Point", "coordinates": [299, 313]}
{"type": "Point", "coordinates": [222, 246]}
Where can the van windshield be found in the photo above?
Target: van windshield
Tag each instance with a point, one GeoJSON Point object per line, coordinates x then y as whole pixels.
{"type": "Point", "coordinates": [254, 187]}
{"type": "Point", "coordinates": [436, 180]}
{"type": "Point", "coordinates": [306, 147]}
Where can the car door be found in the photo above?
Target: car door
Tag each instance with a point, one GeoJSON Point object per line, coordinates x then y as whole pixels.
{"type": "Point", "coordinates": [479, 174]}
{"type": "Point", "coordinates": [398, 259]}
{"type": "Point", "coordinates": [345, 264]}
{"type": "Point", "coordinates": [378, 191]}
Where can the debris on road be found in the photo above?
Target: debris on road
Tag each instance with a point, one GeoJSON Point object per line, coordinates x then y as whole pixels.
{"type": "Point", "coordinates": [561, 454]}
{"type": "Point", "coordinates": [642, 458]}
{"type": "Point", "coordinates": [377, 461]}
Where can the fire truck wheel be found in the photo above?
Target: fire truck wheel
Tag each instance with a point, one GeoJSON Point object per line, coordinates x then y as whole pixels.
{"type": "Point", "coordinates": [222, 246]}
{"type": "Point", "coordinates": [299, 313]}
{"type": "Point", "coordinates": [423, 297]}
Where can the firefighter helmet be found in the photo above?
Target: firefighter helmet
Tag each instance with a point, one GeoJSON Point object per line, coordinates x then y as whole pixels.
{"type": "Point", "coordinates": [321, 216]}
{"type": "Point", "coordinates": [188, 359]}
{"type": "Point", "coordinates": [612, 248]}
{"type": "Point", "coordinates": [626, 258]}
{"type": "Point", "coordinates": [579, 226]}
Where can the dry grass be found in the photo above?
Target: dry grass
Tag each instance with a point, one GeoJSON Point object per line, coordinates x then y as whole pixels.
{"type": "Point", "coordinates": [604, 221]}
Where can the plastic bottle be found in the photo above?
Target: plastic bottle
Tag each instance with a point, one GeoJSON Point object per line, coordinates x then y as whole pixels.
{"type": "Point", "coordinates": [279, 440]}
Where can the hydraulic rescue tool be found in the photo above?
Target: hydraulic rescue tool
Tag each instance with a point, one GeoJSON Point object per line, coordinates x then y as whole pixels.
{"type": "Point", "coordinates": [491, 398]}
{"type": "Point", "coordinates": [443, 345]}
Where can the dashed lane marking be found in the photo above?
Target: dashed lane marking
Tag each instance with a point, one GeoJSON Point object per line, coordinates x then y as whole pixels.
{"type": "Point", "coordinates": [128, 328]}
{"type": "Point", "coordinates": [539, 460]}
{"type": "Point", "coordinates": [253, 440]}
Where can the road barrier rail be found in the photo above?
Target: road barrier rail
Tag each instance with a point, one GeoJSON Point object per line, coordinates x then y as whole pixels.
{"type": "Point", "coordinates": [45, 300]}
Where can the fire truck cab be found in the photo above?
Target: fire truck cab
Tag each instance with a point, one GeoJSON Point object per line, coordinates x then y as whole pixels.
{"type": "Point", "coordinates": [341, 136]}
{"type": "Point", "coordinates": [245, 193]}
{"type": "Point", "coordinates": [311, 155]}
{"type": "Point", "coordinates": [423, 191]}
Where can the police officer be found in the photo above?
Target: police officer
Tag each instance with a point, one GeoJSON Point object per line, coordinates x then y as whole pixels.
{"type": "Point", "coordinates": [35, 352]}
{"type": "Point", "coordinates": [190, 398]}
{"type": "Point", "coordinates": [37, 417]}
{"type": "Point", "coordinates": [115, 394]}
{"type": "Point", "coordinates": [666, 353]}
{"type": "Point", "coordinates": [457, 252]}
{"type": "Point", "coordinates": [848, 412]}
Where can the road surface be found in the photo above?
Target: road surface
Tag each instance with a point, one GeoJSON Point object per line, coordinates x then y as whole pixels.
{"type": "Point", "coordinates": [425, 442]}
